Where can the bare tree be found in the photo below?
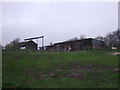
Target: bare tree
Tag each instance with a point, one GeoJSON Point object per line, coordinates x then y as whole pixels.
{"type": "Point", "coordinates": [113, 38]}
{"type": "Point", "coordinates": [73, 39]}
{"type": "Point", "coordinates": [82, 36]}
{"type": "Point", "coordinates": [15, 41]}
{"type": "Point", "coordinates": [118, 36]}
{"type": "Point", "coordinates": [100, 38]}
{"type": "Point", "coordinates": [13, 44]}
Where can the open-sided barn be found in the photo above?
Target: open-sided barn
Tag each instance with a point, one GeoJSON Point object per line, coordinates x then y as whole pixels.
{"type": "Point", "coordinates": [83, 44]}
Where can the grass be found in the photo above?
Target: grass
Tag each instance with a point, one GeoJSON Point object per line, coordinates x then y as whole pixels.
{"type": "Point", "coordinates": [80, 69]}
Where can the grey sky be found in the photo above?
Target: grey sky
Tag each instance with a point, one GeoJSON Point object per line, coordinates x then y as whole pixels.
{"type": "Point", "coordinates": [58, 21]}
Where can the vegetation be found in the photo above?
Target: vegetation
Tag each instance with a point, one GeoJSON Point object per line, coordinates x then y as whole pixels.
{"type": "Point", "coordinates": [80, 69]}
{"type": "Point", "coordinates": [13, 45]}
{"type": "Point", "coordinates": [111, 39]}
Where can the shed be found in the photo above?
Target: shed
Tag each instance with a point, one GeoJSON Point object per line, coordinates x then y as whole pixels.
{"type": "Point", "coordinates": [31, 45]}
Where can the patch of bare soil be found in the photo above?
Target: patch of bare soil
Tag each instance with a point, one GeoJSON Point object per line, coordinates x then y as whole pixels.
{"type": "Point", "coordinates": [75, 75]}
{"type": "Point", "coordinates": [72, 75]}
{"type": "Point", "coordinates": [103, 67]}
{"type": "Point", "coordinates": [75, 71]}
{"type": "Point", "coordinates": [115, 53]}
{"type": "Point", "coordinates": [79, 68]}
{"type": "Point", "coordinates": [117, 69]}
{"type": "Point", "coordinates": [51, 74]}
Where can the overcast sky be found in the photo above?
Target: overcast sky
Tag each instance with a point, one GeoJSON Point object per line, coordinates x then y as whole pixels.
{"type": "Point", "coordinates": [57, 21]}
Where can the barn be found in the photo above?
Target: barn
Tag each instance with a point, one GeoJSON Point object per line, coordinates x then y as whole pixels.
{"type": "Point", "coordinates": [83, 44]}
{"type": "Point", "coordinates": [30, 45]}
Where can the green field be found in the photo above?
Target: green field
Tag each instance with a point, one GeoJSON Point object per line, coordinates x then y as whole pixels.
{"type": "Point", "coordinates": [80, 69]}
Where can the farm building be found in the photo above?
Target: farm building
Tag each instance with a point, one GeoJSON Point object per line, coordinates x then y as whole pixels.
{"type": "Point", "coordinates": [83, 44]}
{"type": "Point", "coordinates": [31, 45]}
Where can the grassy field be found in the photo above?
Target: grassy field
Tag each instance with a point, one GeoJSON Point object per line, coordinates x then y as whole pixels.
{"type": "Point", "coordinates": [80, 69]}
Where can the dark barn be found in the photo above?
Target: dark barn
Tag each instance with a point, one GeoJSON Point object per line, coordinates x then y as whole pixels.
{"type": "Point", "coordinates": [50, 48]}
{"type": "Point", "coordinates": [88, 44]}
{"type": "Point", "coordinates": [83, 44]}
{"type": "Point", "coordinates": [30, 45]}
{"type": "Point", "coordinates": [60, 47]}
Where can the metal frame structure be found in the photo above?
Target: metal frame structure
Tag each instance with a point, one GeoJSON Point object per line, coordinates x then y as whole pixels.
{"type": "Point", "coordinates": [30, 39]}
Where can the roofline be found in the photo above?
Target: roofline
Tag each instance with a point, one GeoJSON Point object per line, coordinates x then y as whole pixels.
{"type": "Point", "coordinates": [27, 42]}
{"type": "Point", "coordinates": [72, 41]}
{"type": "Point", "coordinates": [34, 38]}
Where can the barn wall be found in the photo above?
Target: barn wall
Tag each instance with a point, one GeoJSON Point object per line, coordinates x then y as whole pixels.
{"type": "Point", "coordinates": [78, 45]}
{"type": "Point", "coordinates": [84, 44]}
{"type": "Point", "coordinates": [31, 46]}
{"type": "Point", "coordinates": [96, 44]}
